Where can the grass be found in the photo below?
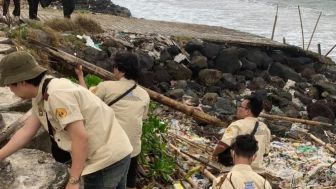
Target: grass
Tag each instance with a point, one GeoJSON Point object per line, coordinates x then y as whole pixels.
{"type": "Point", "coordinates": [80, 25]}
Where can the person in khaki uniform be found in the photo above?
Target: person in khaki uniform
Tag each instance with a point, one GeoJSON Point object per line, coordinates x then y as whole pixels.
{"type": "Point", "coordinates": [242, 176]}
{"type": "Point", "coordinates": [129, 110]}
{"type": "Point", "coordinates": [248, 112]}
{"type": "Point", "coordinates": [81, 124]}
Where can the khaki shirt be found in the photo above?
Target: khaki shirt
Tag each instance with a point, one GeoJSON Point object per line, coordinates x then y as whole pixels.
{"type": "Point", "coordinates": [69, 102]}
{"type": "Point", "coordinates": [246, 126]}
{"type": "Point", "coordinates": [130, 110]}
{"type": "Point", "coordinates": [241, 177]}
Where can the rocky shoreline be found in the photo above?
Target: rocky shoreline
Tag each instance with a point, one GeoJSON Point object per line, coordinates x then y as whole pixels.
{"type": "Point", "coordinates": [213, 76]}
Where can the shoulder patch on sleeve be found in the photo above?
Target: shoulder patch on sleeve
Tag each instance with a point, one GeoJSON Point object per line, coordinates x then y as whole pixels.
{"type": "Point", "coordinates": [93, 89]}
{"type": "Point", "coordinates": [228, 130]}
{"type": "Point", "coordinates": [61, 113]}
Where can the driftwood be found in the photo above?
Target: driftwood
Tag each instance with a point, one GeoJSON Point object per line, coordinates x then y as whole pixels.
{"type": "Point", "coordinates": [104, 74]}
{"type": "Point", "coordinates": [296, 120]}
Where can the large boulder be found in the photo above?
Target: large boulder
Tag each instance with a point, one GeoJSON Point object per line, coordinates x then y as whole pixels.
{"type": "Point", "coordinates": [284, 72]}
{"type": "Point", "coordinates": [161, 74]}
{"type": "Point", "coordinates": [228, 61]}
{"type": "Point", "coordinates": [228, 81]}
{"type": "Point", "coordinates": [261, 59]}
{"type": "Point", "coordinates": [193, 45]}
{"type": "Point", "coordinates": [210, 99]}
{"type": "Point", "coordinates": [299, 63]}
{"type": "Point", "coordinates": [320, 109]}
{"type": "Point", "coordinates": [30, 168]}
{"type": "Point", "coordinates": [93, 55]}
{"type": "Point", "coordinates": [178, 71]}
{"type": "Point", "coordinates": [145, 61]}
{"type": "Point", "coordinates": [209, 77]}
{"type": "Point", "coordinates": [210, 50]}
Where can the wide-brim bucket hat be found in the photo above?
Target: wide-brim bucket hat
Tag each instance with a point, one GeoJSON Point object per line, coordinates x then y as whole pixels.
{"type": "Point", "coordinates": [18, 66]}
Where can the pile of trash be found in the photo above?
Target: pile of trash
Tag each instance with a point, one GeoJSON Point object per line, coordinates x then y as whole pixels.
{"type": "Point", "coordinates": [291, 162]}
{"type": "Point", "coordinates": [300, 164]}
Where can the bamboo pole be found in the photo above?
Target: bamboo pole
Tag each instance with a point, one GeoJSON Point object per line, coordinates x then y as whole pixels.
{"type": "Point", "coordinates": [311, 37]}
{"type": "Point", "coordinates": [319, 141]}
{"type": "Point", "coordinates": [301, 27]}
{"type": "Point", "coordinates": [275, 21]}
{"type": "Point", "coordinates": [191, 182]}
{"type": "Point", "coordinates": [192, 143]}
{"type": "Point", "coordinates": [207, 173]}
{"type": "Point", "coordinates": [296, 120]}
{"type": "Point", "coordinates": [104, 74]}
{"type": "Point", "coordinates": [330, 50]}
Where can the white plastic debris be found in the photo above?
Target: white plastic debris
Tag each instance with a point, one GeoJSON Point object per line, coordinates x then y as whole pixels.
{"type": "Point", "coordinates": [89, 41]}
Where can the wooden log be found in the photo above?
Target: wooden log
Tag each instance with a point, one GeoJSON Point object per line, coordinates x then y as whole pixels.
{"type": "Point", "coordinates": [295, 120]}
{"type": "Point", "coordinates": [104, 74]}
{"type": "Point", "coordinates": [319, 141]}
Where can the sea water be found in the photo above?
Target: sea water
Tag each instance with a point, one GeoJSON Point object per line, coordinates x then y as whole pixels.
{"type": "Point", "coordinates": [253, 16]}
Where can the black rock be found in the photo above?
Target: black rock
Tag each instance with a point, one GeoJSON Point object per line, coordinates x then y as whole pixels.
{"type": "Point", "coordinates": [211, 50]}
{"type": "Point", "coordinates": [228, 61]}
{"type": "Point", "coordinates": [284, 72]}
{"type": "Point", "coordinates": [320, 109]}
{"type": "Point", "coordinates": [194, 45]}
{"type": "Point", "coordinates": [261, 59]}
{"type": "Point", "coordinates": [209, 77]}
{"type": "Point", "coordinates": [145, 61]}
{"type": "Point", "coordinates": [161, 74]}
{"type": "Point", "coordinates": [178, 71]}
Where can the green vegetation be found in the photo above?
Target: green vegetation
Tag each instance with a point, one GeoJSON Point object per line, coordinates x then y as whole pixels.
{"type": "Point", "coordinates": [90, 80]}
{"type": "Point", "coordinates": [154, 155]}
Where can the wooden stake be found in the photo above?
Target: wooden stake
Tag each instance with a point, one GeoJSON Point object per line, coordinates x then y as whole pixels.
{"type": "Point", "coordinates": [319, 48]}
{"type": "Point", "coordinates": [301, 27]}
{"type": "Point", "coordinates": [275, 21]}
{"type": "Point", "coordinates": [330, 50]}
{"type": "Point", "coordinates": [311, 37]}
